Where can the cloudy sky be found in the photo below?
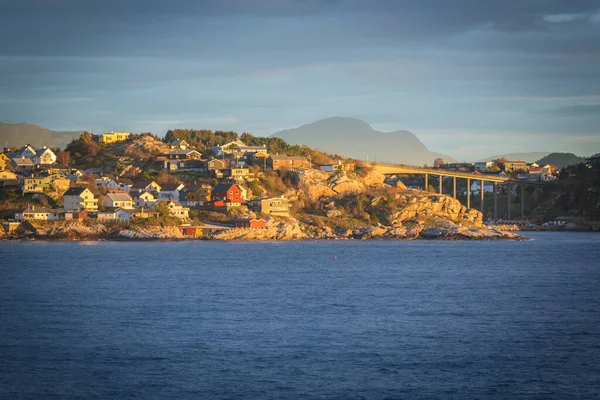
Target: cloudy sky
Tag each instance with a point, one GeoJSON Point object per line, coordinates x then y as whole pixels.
{"type": "Point", "coordinates": [469, 77]}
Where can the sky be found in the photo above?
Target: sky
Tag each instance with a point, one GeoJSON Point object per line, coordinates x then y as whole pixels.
{"type": "Point", "coordinates": [471, 78]}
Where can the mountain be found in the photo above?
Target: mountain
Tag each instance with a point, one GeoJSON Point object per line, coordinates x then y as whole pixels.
{"type": "Point", "coordinates": [351, 137]}
{"type": "Point", "coordinates": [561, 160]}
{"type": "Point", "coordinates": [17, 135]}
{"type": "Point", "coordinates": [527, 157]}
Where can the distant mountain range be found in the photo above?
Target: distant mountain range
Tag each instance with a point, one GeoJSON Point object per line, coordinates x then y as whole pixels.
{"type": "Point", "coordinates": [19, 134]}
{"type": "Point", "coordinates": [351, 137]}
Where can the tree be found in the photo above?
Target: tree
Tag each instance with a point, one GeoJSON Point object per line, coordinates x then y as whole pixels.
{"type": "Point", "coordinates": [63, 157]}
{"type": "Point", "coordinates": [165, 177]}
{"type": "Point", "coordinates": [163, 209]}
{"type": "Point", "coordinates": [438, 162]}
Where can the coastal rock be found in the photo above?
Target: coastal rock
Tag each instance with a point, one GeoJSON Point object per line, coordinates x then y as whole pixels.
{"type": "Point", "coordinates": [150, 233]}
{"type": "Point", "coordinates": [275, 229]}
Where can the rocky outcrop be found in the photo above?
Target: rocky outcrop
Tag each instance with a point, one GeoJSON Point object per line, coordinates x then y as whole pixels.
{"type": "Point", "coordinates": [149, 233]}
{"type": "Point", "coordinates": [317, 184]}
{"type": "Point", "coordinates": [435, 206]}
{"type": "Point", "coordinates": [276, 229]}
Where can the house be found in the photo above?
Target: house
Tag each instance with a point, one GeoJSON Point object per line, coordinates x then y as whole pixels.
{"type": "Point", "coordinates": [278, 206]}
{"type": "Point", "coordinates": [22, 165]}
{"type": "Point", "coordinates": [184, 155]}
{"type": "Point", "coordinates": [10, 227]}
{"type": "Point", "coordinates": [195, 195]}
{"type": "Point", "coordinates": [227, 195]}
{"type": "Point", "coordinates": [483, 166]}
{"type": "Point", "coordinates": [144, 214]}
{"type": "Point", "coordinates": [277, 162]}
{"type": "Point", "coordinates": [252, 149]}
{"type": "Point", "coordinates": [118, 200]}
{"type": "Point", "coordinates": [191, 231]}
{"type": "Point", "coordinates": [5, 158]}
{"type": "Point", "coordinates": [124, 184]}
{"type": "Point", "coordinates": [145, 199]}
{"type": "Point", "coordinates": [77, 199]}
{"type": "Point", "coordinates": [176, 210]}
{"type": "Point", "coordinates": [216, 164]}
{"type": "Point", "coordinates": [108, 183]}
{"type": "Point", "coordinates": [116, 215]}
{"type": "Point", "coordinates": [7, 175]}
{"type": "Point", "coordinates": [44, 156]}
{"type": "Point", "coordinates": [37, 213]}
{"type": "Point", "coordinates": [112, 137]}
{"type": "Point", "coordinates": [464, 167]}
{"type": "Point", "coordinates": [487, 186]}
{"type": "Point", "coordinates": [184, 165]}
{"type": "Point", "coordinates": [180, 145]}
{"type": "Point", "coordinates": [76, 215]}
{"type": "Point", "coordinates": [250, 223]}
{"type": "Point", "coordinates": [26, 151]}
{"type": "Point", "coordinates": [237, 173]}
{"type": "Point", "coordinates": [510, 166]}
{"type": "Point", "coordinates": [145, 186]}
{"type": "Point", "coordinates": [340, 166]}
{"type": "Point", "coordinates": [38, 184]}
{"type": "Point", "coordinates": [228, 147]}
{"type": "Point", "coordinates": [259, 158]}
{"type": "Point", "coordinates": [170, 191]}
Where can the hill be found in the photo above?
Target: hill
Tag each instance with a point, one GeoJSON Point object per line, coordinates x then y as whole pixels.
{"type": "Point", "coordinates": [527, 157]}
{"type": "Point", "coordinates": [19, 134]}
{"type": "Point", "coordinates": [354, 138]}
{"type": "Point", "coordinates": [561, 160]}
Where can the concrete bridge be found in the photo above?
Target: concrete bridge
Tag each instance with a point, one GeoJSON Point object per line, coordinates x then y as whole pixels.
{"type": "Point", "coordinates": [389, 169]}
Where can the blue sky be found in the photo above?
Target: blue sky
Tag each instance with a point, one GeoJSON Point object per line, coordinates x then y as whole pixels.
{"type": "Point", "coordinates": [470, 77]}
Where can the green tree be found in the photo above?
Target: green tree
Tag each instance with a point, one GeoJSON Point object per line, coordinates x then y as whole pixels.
{"type": "Point", "coordinates": [163, 209]}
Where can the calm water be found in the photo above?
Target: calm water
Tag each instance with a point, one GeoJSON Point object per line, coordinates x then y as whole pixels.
{"type": "Point", "coordinates": [290, 320]}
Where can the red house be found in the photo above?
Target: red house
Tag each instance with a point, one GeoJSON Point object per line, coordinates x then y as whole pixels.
{"type": "Point", "coordinates": [226, 195]}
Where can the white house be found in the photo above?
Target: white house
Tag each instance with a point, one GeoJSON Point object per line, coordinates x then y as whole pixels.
{"type": "Point", "coordinates": [179, 145]}
{"type": "Point", "coordinates": [118, 200]}
{"type": "Point", "coordinates": [145, 199]}
{"type": "Point", "coordinates": [145, 186]}
{"type": "Point", "coordinates": [44, 156]}
{"type": "Point", "coordinates": [116, 215]}
{"type": "Point", "coordinates": [176, 210]}
{"type": "Point", "coordinates": [37, 213]}
{"type": "Point", "coordinates": [482, 166]}
{"type": "Point", "coordinates": [170, 191]}
{"type": "Point", "coordinates": [476, 187]}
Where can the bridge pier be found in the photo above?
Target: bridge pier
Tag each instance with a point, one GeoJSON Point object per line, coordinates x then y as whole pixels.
{"type": "Point", "coordinates": [468, 193]}
{"type": "Point", "coordinates": [522, 200]}
{"type": "Point", "coordinates": [441, 188]}
{"type": "Point", "coordinates": [426, 181]}
{"type": "Point", "coordinates": [482, 194]}
{"type": "Point", "coordinates": [454, 179]}
{"type": "Point", "coordinates": [509, 199]}
{"type": "Point", "coordinates": [495, 201]}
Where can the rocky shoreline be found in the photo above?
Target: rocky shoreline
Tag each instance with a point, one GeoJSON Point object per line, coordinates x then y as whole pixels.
{"type": "Point", "coordinates": [276, 229]}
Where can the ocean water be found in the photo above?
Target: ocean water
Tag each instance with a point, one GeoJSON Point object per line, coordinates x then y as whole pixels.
{"type": "Point", "coordinates": [301, 320]}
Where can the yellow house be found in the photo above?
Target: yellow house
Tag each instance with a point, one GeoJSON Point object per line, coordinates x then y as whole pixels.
{"type": "Point", "coordinates": [113, 137]}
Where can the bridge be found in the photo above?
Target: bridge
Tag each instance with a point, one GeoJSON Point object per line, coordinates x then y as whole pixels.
{"type": "Point", "coordinates": [389, 169]}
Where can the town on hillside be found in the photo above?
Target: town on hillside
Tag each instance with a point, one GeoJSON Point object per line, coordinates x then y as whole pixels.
{"type": "Point", "coordinates": [188, 179]}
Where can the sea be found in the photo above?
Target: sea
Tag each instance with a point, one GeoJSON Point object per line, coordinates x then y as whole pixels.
{"type": "Point", "coordinates": [301, 320]}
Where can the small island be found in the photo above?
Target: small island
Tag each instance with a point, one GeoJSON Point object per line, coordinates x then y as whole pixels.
{"type": "Point", "coordinates": [194, 185]}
